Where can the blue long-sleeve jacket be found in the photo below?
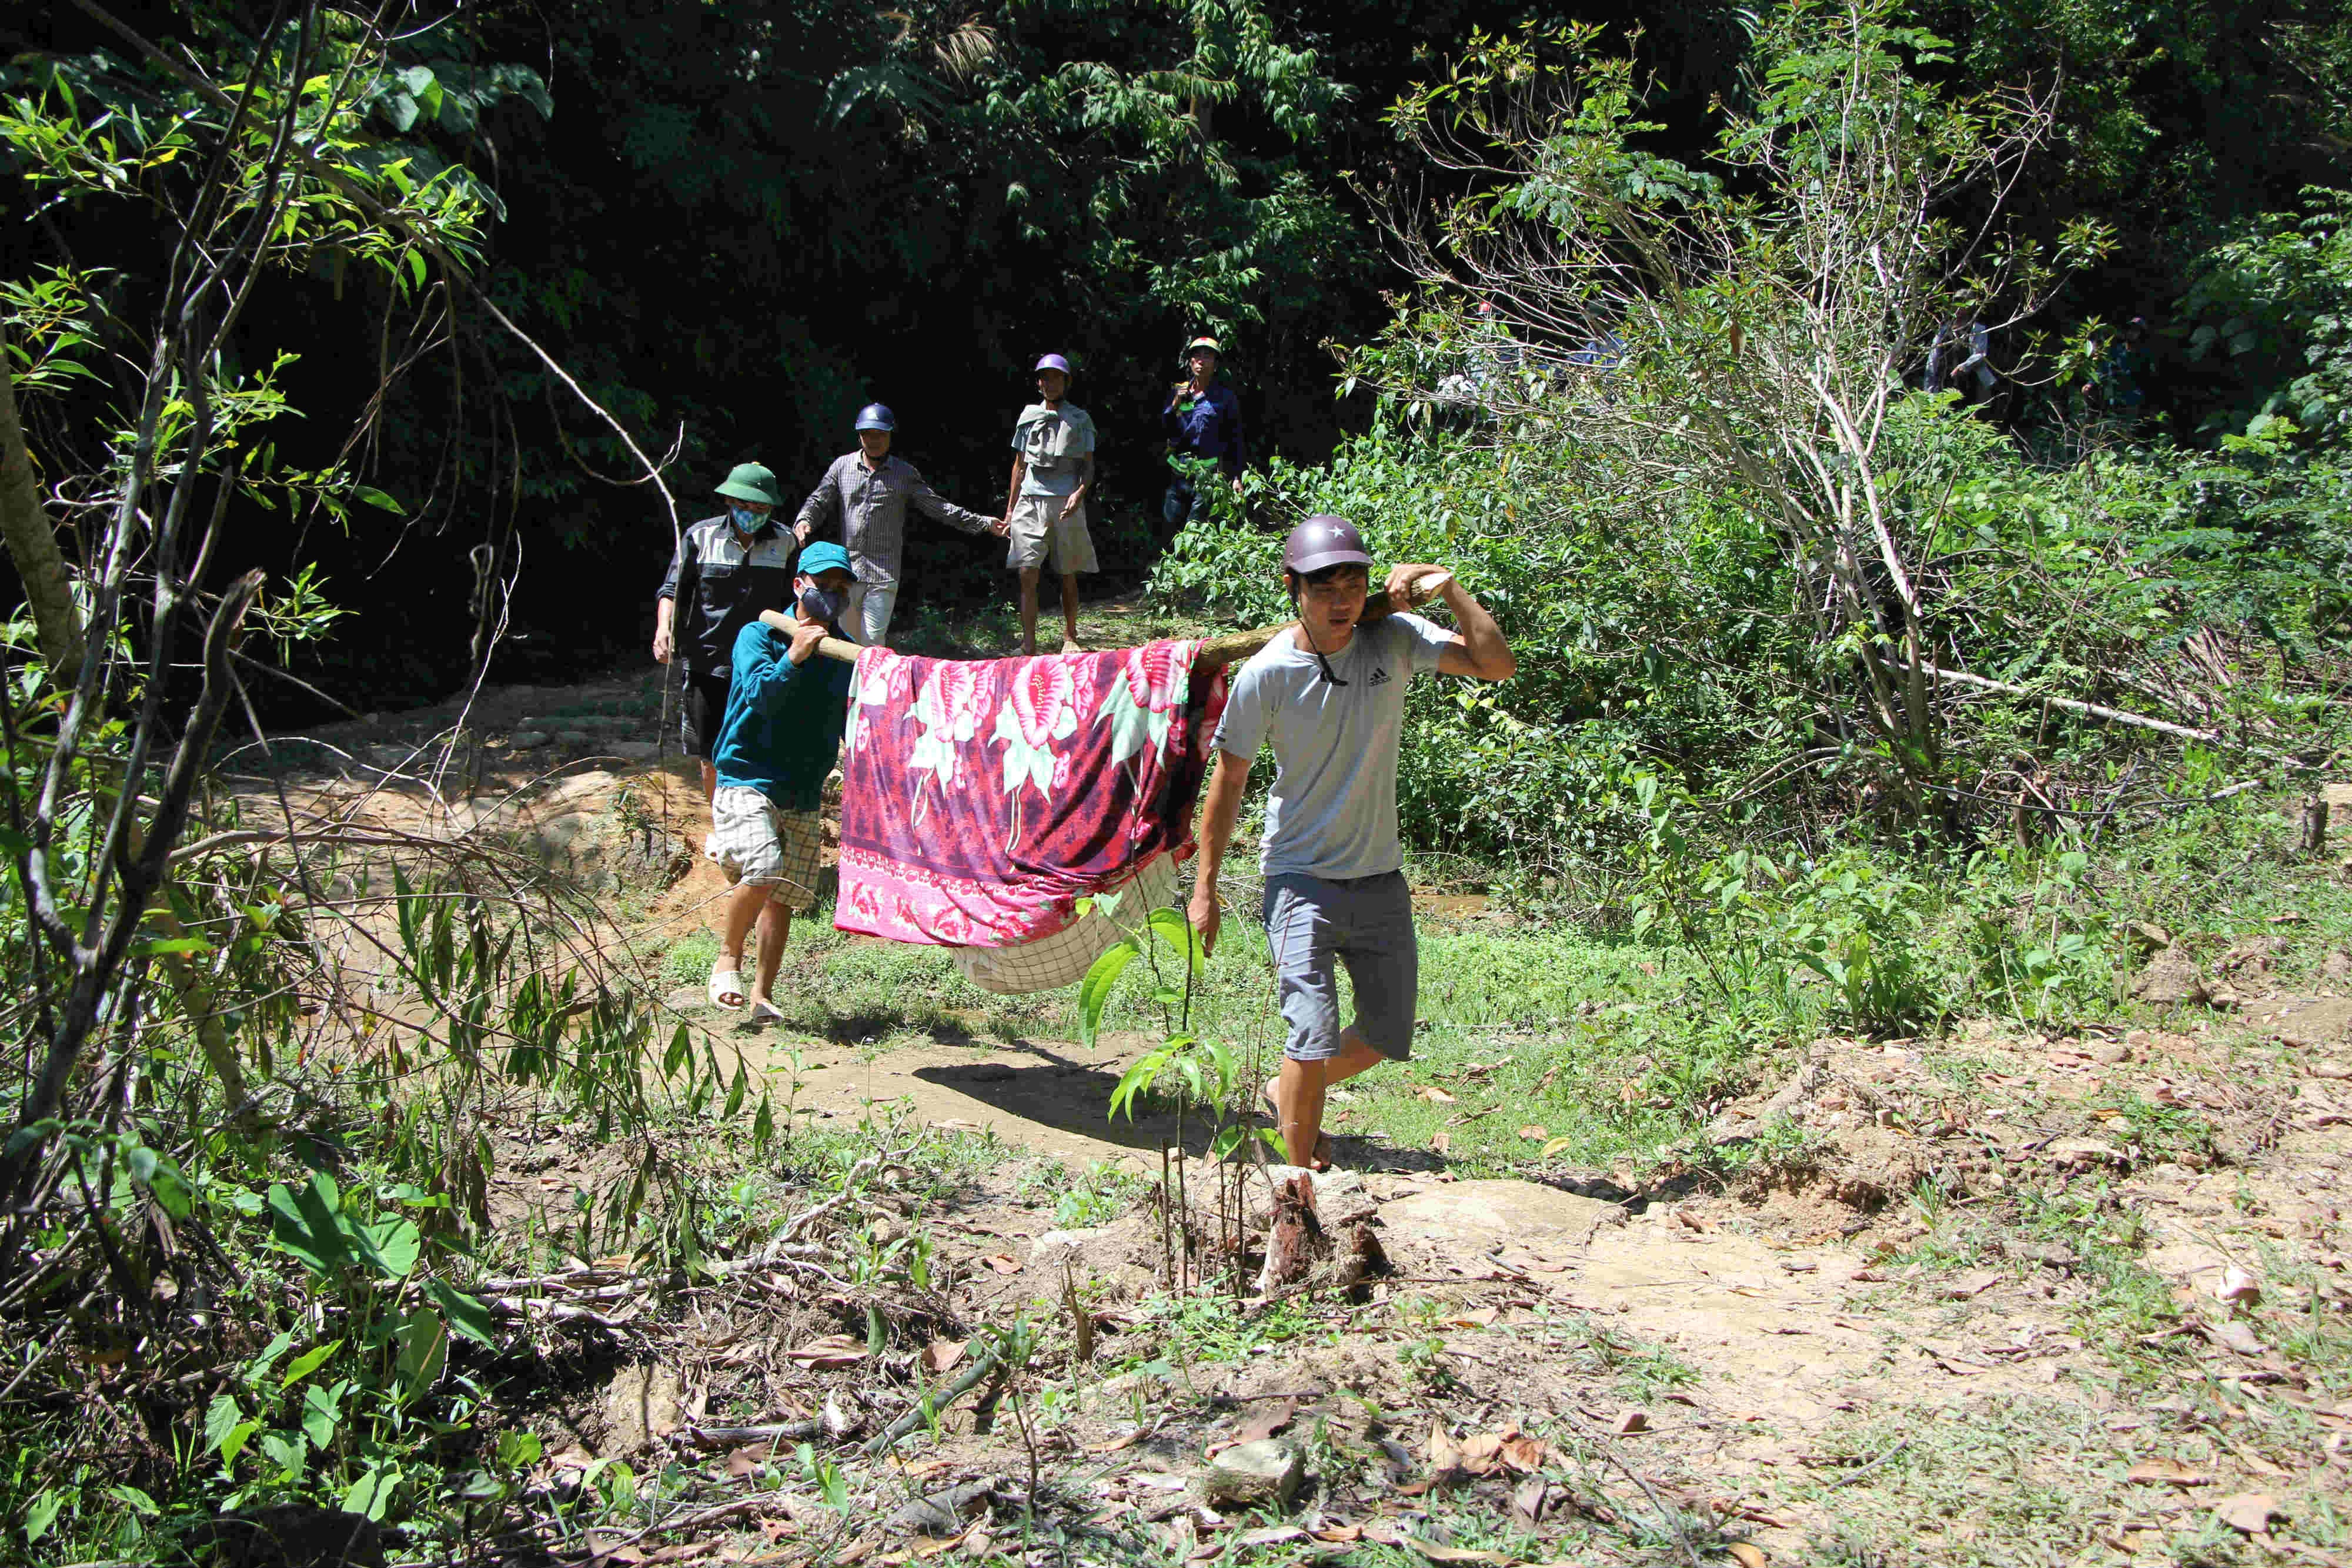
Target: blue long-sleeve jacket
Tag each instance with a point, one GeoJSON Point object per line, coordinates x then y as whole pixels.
{"type": "Point", "coordinates": [1211, 427]}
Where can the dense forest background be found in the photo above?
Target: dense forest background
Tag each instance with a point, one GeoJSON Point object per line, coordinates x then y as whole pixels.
{"type": "Point", "coordinates": [735, 221]}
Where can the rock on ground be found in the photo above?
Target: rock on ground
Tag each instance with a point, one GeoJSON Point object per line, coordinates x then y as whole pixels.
{"type": "Point", "coordinates": [641, 1403]}
{"type": "Point", "coordinates": [1265, 1471]}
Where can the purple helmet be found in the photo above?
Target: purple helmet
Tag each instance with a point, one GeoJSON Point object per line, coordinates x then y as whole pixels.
{"type": "Point", "coordinates": [1324, 540]}
{"type": "Point", "coordinates": [1056, 362]}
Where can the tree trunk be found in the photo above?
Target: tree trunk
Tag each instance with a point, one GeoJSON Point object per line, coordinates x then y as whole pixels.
{"type": "Point", "coordinates": [32, 544]}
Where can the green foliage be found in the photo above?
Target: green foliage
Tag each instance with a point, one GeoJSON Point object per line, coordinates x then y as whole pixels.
{"type": "Point", "coordinates": [2277, 299]}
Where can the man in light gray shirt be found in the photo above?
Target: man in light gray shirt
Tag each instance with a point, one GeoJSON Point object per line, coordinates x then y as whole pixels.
{"type": "Point", "coordinates": [869, 492]}
{"type": "Point", "coordinates": [1328, 693]}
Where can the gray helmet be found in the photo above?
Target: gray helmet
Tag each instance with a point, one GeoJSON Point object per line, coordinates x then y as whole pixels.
{"type": "Point", "coordinates": [1324, 540]}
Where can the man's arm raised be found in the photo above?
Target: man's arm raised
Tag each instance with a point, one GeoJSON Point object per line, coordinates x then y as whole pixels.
{"type": "Point", "coordinates": [1477, 649]}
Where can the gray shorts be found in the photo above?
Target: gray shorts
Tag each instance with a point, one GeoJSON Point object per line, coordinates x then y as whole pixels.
{"type": "Point", "coordinates": [1041, 536]}
{"type": "Point", "coordinates": [1363, 922]}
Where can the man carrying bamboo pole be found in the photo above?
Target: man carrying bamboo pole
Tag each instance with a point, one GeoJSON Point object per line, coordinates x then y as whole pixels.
{"type": "Point", "coordinates": [785, 714]}
{"type": "Point", "coordinates": [1328, 693]}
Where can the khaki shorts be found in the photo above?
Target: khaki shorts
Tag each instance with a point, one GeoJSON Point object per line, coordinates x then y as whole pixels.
{"type": "Point", "coordinates": [1042, 536]}
{"type": "Point", "coordinates": [764, 845]}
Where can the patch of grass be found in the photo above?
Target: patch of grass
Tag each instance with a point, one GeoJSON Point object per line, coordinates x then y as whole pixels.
{"type": "Point", "coordinates": [1096, 1196]}
{"type": "Point", "coordinates": [688, 962]}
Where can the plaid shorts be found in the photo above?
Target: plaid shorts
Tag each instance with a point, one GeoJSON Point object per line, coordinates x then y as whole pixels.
{"type": "Point", "coordinates": [767, 846]}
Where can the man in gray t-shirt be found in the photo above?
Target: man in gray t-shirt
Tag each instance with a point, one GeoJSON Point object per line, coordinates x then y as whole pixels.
{"type": "Point", "coordinates": [1328, 693]}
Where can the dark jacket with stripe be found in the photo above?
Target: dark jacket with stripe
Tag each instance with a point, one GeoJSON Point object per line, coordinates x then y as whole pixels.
{"type": "Point", "coordinates": [721, 587]}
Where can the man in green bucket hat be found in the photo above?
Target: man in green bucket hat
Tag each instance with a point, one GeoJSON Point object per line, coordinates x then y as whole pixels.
{"type": "Point", "coordinates": [725, 571]}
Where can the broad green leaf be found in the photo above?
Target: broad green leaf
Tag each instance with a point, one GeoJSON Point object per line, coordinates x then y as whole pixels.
{"type": "Point", "coordinates": [465, 1316]}
{"type": "Point", "coordinates": [309, 1361]}
{"type": "Point", "coordinates": [259, 1367]}
{"type": "Point", "coordinates": [389, 1246]}
{"type": "Point", "coordinates": [323, 1413]}
{"type": "Point", "coordinates": [1093, 991]}
{"type": "Point", "coordinates": [41, 1513]}
{"type": "Point", "coordinates": [369, 1495]}
{"type": "Point", "coordinates": [157, 949]}
{"type": "Point", "coordinates": [1134, 1081]}
{"type": "Point", "coordinates": [286, 1450]}
{"type": "Point", "coordinates": [221, 1418]}
{"type": "Point", "coordinates": [308, 1224]}
{"type": "Point", "coordinates": [233, 1443]}
{"type": "Point", "coordinates": [137, 1501]}
{"type": "Point", "coordinates": [1171, 926]}
{"type": "Point", "coordinates": [424, 1351]}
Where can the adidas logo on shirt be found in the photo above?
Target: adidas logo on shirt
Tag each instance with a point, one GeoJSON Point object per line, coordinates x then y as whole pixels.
{"type": "Point", "coordinates": [1379, 675]}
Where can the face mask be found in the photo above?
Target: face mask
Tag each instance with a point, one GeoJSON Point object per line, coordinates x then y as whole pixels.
{"type": "Point", "coordinates": [748, 521]}
{"type": "Point", "coordinates": [823, 604]}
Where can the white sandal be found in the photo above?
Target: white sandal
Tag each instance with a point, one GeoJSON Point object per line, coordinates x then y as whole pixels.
{"type": "Point", "coordinates": [766, 1011]}
{"type": "Point", "coordinates": [725, 983]}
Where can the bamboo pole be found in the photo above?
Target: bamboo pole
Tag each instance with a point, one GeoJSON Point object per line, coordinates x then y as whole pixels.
{"type": "Point", "coordinates": [1234, 646]}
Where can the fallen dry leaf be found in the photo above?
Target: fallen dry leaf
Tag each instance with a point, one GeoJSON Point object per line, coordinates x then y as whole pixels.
{"type": "Point", "coordinates": [2249, 1512]}
{"type": "Point", "coordinates": [1630, 1422]}
{"type": "Point", "coordinates": [1535, 1133]}
{"type": "Point", "coordinates": [2234, 1336]}
{"type": "Point", "coordinates": [1437, 1554]}
{"type": "Point", "coordinates": [1444, 1454]}
{"type": "Point", "coordinates": [2238, 1287]}
{"type": "Point", "coordinates": [834, 1350]}
{"type": "Point", "coordinates": [1747, 1554]}
{"type": "Point", "coordinates": [1269, 1418]}
{"type": "Point", "coordinates": [1270, 1535]}
{"type": "Point", "coordinates": [745, 1460]}
{"type": "Point", "coordinates": [1475, 1318]}
{"type": "Point", "coordinates": [1336, 1533]}
{"type": "Point", "coordinates": [1523, 1454]}
{"type": "Point", "coordinates": [1529, 1500]}
{"type": "Point", "coordinates": [1003, 1262]}
{"type": "Point", "coordinates": [1431, 1092]}
{"type": "Point", "coordinates": [2169, 1472]}
{"type": "Point", "coordinates": [1971, 1284]}
{"type": "Point", "coordinates": [1482, 1453]}
{"type": "Point", "coordinates": [1442, 1143]}
{"type": "Point", "coordinates": [942, 1355]}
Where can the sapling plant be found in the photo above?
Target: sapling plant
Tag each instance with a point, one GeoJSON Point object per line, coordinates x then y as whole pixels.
{"type": "Point", "coordinates": [1208, 1074]}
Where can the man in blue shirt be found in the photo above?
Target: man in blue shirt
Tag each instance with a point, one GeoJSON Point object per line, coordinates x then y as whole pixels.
{"type": "Point", "coordinates": [785, 715]}
{"type": "Point", "coordinates": [1202, 421]}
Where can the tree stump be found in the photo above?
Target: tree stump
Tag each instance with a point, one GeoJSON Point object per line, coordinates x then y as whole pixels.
{"type": "Point", "coordinates": [2311, 834]}
{"type": "Point", "coordinates": [1301, 1254]}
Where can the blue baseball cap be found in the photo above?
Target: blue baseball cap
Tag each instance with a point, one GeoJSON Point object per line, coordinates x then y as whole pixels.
{"type": "Point", "coordinates": [824, 556]}
{"type": "Point", "coordinates": [877, 416]}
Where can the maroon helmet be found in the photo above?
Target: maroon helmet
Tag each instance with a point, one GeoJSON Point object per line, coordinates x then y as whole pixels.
{"type": "Point", "coordinates": [1324, 540]}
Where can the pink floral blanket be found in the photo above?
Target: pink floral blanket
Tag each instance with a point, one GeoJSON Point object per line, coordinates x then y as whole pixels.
{"type": "Point", "coordinates": [982, 799]}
